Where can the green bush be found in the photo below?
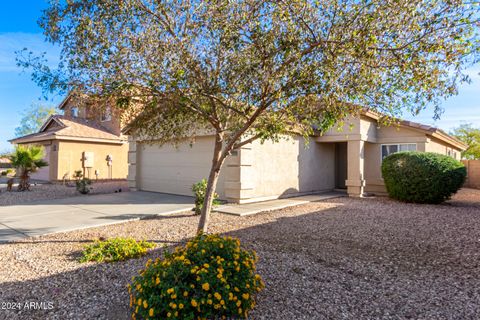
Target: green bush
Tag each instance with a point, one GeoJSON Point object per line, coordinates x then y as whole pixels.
{"type": "Point", "coordinates": [199, 190]}
{"type": "Point", "coordinates": [115, 249]}
{"type": "Point", "coordinates": [3, 173]}
{"type": "Point", "coordinates": [422, 177]}
{"type": "Point", "coordinates": [83, 185]}
{"type": "Point", "coordinates": [209, 278]}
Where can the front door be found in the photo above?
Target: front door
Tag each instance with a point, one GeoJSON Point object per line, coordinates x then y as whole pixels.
{"type": "Point", "coordinates": [341, 163]}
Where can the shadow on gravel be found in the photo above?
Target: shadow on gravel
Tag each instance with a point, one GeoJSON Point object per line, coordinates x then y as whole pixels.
{"type": "Point", "coordinates": [364, 259]}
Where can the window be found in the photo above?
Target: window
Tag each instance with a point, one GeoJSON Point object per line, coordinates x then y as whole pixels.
{"type": "Point", "coordinates": [107, 114]}
{"type": "Point", "coordinates": [388, 149]}
{"type": "Point", "coordinates": [74, 112]}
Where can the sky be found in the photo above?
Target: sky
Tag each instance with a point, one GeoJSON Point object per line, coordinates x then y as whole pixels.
{"type": "Point", "coordinates": [19, 29]}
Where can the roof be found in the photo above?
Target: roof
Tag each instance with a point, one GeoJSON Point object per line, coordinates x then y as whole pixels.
{"type": "Point", "coordinates": [429, 130]}
{"type": "Point", "coordinates": [4, 160]}
{"type": "Point", "coordinates": [59, 127]}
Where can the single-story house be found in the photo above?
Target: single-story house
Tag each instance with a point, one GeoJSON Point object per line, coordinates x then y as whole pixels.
{"type": "Point", "coordinates": [348, 159]}
{"type": "Point", "coordinates": [5, 163]}
{"type": "Point", "coordinates": [83, 138]}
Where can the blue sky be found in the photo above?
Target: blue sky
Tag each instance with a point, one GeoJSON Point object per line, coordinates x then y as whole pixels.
{"type": "Point", "coordinates": [19, 29]}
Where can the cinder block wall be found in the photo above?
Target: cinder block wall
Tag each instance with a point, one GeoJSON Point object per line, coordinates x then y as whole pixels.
{"type": "Point", "coordinates": [473, 173]}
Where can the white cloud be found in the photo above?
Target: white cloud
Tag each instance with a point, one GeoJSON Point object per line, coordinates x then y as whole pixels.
{"type": "Point", "coordinates": [16, 41]}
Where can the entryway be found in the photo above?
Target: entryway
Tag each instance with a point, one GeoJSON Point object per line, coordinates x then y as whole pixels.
{"type": "Point", "coordinates": [341, 165]}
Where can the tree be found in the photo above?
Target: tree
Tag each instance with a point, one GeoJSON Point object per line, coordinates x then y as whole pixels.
{"type": "Point", "coordinates": [27, 159]}
{"type": "Point", "coordinates": [253, 69]}
{"type": "Point", "coordinates": [470, 136]}
{"type": "Point", "coordinates": [33, 118]}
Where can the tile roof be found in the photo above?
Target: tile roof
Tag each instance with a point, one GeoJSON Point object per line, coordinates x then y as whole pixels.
{"type": "Point", "coordinates": [61, 126]}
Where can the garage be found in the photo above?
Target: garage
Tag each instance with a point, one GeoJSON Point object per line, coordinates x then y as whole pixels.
{"type": "Point", "coordinates": [174, 170]}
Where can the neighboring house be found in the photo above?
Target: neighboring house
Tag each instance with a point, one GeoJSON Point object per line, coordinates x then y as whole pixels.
{"type": "Point", "coordinates": [340, 159]}
{"type": "Point", "coordinates": [84, 138]}
{"type": "Point", "coordinates": [5, 163]}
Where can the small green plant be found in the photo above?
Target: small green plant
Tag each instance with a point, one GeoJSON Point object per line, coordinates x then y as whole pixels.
{"type": "Point", "coordinates": [211, 277]}
{"type": "Point", "coordinates": [3, 173]}
{"type": "Point", "coordinates": [77, 175]}
{"type": "Point", "coordinates": [115, 249]}
{"type": "Point", "coordinates": [199, 190]}
{"type": "Point", "coordinates": [83, 185]}
{"type": "Point", "coordinates": [422, 177]}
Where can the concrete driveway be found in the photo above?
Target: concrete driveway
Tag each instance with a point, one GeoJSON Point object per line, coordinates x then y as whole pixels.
{"type": "Point", "coordinates": [49, 216]}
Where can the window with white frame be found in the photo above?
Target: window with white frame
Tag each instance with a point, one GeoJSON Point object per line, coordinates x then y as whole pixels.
{"type": "Point", "coordinates": [388, 149]}
{"type": "Point", "coordinates": [107, 114]}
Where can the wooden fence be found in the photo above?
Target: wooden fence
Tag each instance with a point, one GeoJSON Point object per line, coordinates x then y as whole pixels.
{"type": "Point", "coordinates": [473, 173]}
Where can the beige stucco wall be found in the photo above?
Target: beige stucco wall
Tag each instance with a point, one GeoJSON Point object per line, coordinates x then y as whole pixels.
{"type": "Point", "coordinates": [69, 155]}
{"type": "Point", "coordinates": [272, 170]}
{"type": "Point", "coordinates": [438, 146]}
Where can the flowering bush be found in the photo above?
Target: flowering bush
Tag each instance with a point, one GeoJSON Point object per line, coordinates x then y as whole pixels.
{"type": "Point", "coordinates": [211, 277]}
{"type": "Point", "coordinates": [115, 249]}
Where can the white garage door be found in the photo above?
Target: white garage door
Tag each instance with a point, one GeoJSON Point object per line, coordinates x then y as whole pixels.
{"type": "Point", "coordinates": [174, 170]}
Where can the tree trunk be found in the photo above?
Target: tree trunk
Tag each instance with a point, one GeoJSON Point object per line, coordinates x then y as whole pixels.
{"type": "Point", "coordinates": [211, 184]}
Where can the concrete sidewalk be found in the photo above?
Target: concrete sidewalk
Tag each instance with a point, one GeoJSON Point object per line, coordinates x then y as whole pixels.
{"type": "Point", "coordinates": [256, 207]}
{"type": "Point", "coordinates": [49, 216]}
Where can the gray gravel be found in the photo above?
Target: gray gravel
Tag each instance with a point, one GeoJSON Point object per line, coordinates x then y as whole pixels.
{"type": "Point", "coordinates": [339, 259]}
{"type": "Point", "coordinates": [47, 191]}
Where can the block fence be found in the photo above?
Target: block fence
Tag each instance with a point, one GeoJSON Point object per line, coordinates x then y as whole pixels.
{"type": "Point", "coordinates": [473, 173]}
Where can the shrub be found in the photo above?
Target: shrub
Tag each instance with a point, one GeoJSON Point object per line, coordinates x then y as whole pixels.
{"type": "Point", "coordinates": [209, 278]}
{"type": "Point", "coordinates": [422, 177]}
{"type": "Point", "coordinates": [3, 173]}
{"type": "Point", "coordinates": [83, 185]}
{"type": "Point", "coordinates": [115, 249]}
{"type": "Point", "coordinates": [199, 190]}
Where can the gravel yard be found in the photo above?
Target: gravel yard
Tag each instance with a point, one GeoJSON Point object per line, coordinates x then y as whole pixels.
{"type": "Point", "coordinates": [48, 191]}
{"type": "Point", "coordinates": [338, 259]}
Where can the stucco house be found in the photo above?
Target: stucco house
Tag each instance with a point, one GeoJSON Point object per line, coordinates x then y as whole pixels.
{"type": "Point", "coordinates": [83, 138]}
{"type": "Point", "coordinates": [343, 158]}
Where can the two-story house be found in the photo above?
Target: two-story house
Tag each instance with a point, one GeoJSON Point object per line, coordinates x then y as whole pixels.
{"type": "Point", "coordinates": [86, 137]}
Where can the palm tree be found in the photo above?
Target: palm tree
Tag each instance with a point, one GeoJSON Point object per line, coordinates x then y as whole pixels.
{"type": "Point", "coordinates": [27, 159]}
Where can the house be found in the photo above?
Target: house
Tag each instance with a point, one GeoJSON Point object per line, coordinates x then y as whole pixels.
{"type": "Point", "coordinates": [83, 138]}
{"type": "Point", "coordinates": [5, 163]}
{"type": "Point", "coordinates": [343, 158]}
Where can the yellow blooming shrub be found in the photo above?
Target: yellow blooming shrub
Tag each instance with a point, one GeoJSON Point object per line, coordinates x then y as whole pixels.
{"type": "Point", "coordinates": [210, 277]}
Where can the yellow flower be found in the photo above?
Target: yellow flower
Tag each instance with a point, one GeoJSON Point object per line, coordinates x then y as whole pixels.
{"type": "Point", "coordinates": [239, 310]}
{"type": "Point", "coordinates": [150, 312]}
{"type": "Point", "coordinates": [139, 302]}
{"type": "Point", "coordinates": [209, 301]}
{"type": "Point", "coordinates": [222, 302]}
{"type": "Point", "coordinates": [185, 293]}
{"type": "Point", "coordinates": [217, 295]}
{"type": "Point", "coordinates": [180, 306]}
{"type": "Point", "coordinates": [170, 290]}
{"type": "Point", "coordinates": [239, 303]}
{"type": "Point", "coordinates": [236, 289]}
{"type": "Point", "coordinates": [206, 286]}
{"type": "Point", "coordinates": [145, 304]}
{"type": "Point", "coordinates": [157, 281]}
{"type": "Point", "coordinates": [176, 313]}
{"type": "Point", "coordinates": [169, 314]}
{"type": "Point", "coordinates": [174, 306]}
{"type": "Point", "coordinates": [194, 303]}
{"type": "Point", "coordinates": [206, 265]}
{"type": "Point", "coordinates": [174, 296]}
{"type": "Point", "coordinates": [245, 296]}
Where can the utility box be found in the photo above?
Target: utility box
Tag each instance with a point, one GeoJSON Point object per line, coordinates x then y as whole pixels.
{"type": "Point", "coordinates": [88, 159]}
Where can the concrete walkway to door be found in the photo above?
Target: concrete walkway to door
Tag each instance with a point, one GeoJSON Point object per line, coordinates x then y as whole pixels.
{"type": "Point", "coordinates": [48, 216]}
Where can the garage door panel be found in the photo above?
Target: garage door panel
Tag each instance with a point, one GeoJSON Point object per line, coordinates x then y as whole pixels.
{"type": "Point", "coordinates": [174, 170]}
